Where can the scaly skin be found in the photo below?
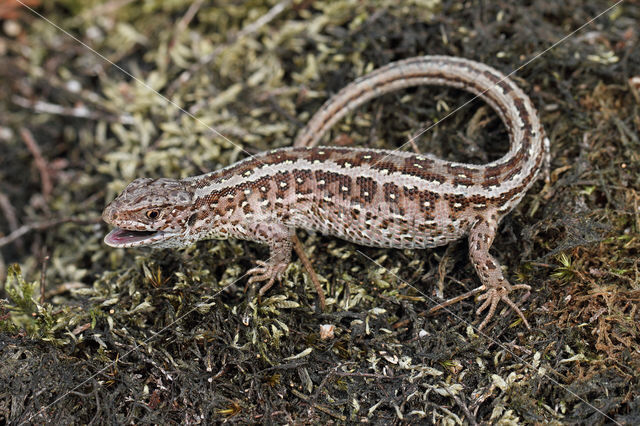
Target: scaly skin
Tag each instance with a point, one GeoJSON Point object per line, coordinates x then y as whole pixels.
{"type": "Point", "coordinates": [375, 198]}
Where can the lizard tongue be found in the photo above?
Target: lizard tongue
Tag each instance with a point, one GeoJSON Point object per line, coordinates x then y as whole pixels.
{"type": "Point", "coordinates": [124, 238]}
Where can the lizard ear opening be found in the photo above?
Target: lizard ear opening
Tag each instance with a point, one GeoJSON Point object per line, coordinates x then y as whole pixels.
{"type": "Point", "coordinates": [192, 219]}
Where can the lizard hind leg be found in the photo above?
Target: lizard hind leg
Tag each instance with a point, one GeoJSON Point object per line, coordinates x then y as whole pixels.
{"type": "Point", "coordinates": [495, 285]}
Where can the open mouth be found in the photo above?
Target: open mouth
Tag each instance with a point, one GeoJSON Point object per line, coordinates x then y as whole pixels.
{"type": "Point", "coordinates": [125, 238]}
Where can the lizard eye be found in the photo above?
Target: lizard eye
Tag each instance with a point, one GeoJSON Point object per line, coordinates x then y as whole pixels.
{"type": "Point", "coordinates": [152, 214]}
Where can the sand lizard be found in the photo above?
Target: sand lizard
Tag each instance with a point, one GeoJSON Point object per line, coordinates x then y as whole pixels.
{"type": "Point", "coordinates": [377, 198]}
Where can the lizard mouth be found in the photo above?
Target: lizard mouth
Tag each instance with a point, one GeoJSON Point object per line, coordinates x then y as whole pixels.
{"type": "Point", "coordinates": [125, 238]}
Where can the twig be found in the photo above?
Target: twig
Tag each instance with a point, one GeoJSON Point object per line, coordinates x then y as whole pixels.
{"type": "Point", "coordinates": [80, 111]}
{"type": "Point", "coordinates": [9, 214]}
{"type": "Point", "coordinates": [3, 276]}
{"type": "Point", "coordinates": [43, 273]}
{"type": "Point", "coordinates": [364, 375]}
{"type": "Point", "coordinates": [40, 226]}
{"type": "Point", "coordinates": [9, 211]}
{"type": "Point", "coordinates": [470, 417]}
{"type": "Point", "coordinates": [414, 145]}
{"type": "Point", "coordinates": [79, 94]}
{"type": "Point", "coordinates": [455, 300]}
{"type": "Point", "coordinates": [41, 163]}
{"type": "Point", "coordinates": [186, 19]}
{"type": "Point", "coordinates": [297, 246]}
{"type": "Point", "coordinates": [319, 407]}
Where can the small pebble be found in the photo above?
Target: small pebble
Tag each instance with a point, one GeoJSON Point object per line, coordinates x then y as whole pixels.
{"type": "Point", "coordinates": [326, 331]}
{"type": "Point", "coordinates": [73, 86]}
{"type": "Point", "coordinates": [11, 28]}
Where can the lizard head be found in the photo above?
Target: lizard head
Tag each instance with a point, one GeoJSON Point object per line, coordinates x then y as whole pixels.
{"type": "Point", "coordinates": [149, 212]}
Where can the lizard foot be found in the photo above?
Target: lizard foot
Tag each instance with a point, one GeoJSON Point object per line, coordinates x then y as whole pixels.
{"type": "Point", "coordinates": [493, 295]}
{"type": "Point", "coordinates": [266, 271]}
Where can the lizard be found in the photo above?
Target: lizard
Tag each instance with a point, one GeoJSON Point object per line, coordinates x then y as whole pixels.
{"type": "Point", "coordinates": [371, 197]}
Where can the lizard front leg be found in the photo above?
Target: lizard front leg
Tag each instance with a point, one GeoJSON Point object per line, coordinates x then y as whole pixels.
{"type": "Point", "coordinates": [496, 287]}
{"type": "Point", "coordinates": [278, 238]}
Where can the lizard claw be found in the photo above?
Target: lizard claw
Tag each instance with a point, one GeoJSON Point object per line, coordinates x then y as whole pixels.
{"type": "Point", "coordinates": [266, 271]}
{"type": "Point", "coordinates": [493, 295]}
